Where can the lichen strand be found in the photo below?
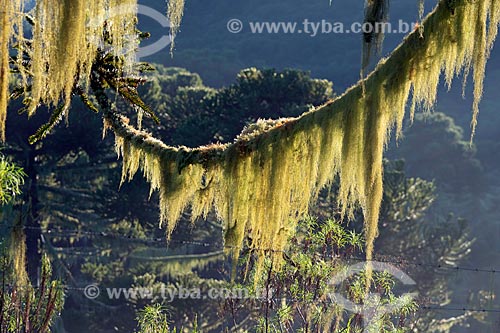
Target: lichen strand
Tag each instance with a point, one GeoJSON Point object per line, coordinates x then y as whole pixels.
{"type": "Point", "coordinates": [479, 54]}
{"type": "Point", "coordinates": [66, 36]}
{"type": "Point", "coordinates": [121, 25]}
{"type": "Point", "coordinates": [263, 183]}
{"type": "Point", "coordinates": [175, 11]}
{"type": "Point", "coordinates": [5, 17]}
{"type": "Point", "coordinates": [376, 12]}
{"type": "Point", "coordinates": [10, 22]}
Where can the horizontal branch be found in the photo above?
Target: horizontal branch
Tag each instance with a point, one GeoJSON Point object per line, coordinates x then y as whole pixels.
{"type": "Point", "coordinates": [387, 68]}
{"type": "Point", "coordinates": [262, 184]}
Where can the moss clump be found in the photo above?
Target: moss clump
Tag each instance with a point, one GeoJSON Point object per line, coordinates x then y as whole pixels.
{"type": "Point", "coordinates": [10, 22]}
{"type": "Point", "coordinates": [66, 36]}
{"type": "Point", "coordinates": [175, 11]}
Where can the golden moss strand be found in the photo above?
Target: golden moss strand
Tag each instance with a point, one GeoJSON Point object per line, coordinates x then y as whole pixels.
{"type": "Point", "coordinates": [10, 22]}
{"type": "Point", "coordinates": [66, 36]}
{"type": "Point", "coordinates": [175, 11]}
{"type": "Point", "coordinates": [5, 17]}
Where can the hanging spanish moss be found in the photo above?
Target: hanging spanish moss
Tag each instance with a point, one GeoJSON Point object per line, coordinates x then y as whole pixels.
{"type": "Point", "coordinates": [10, 21]}
{"type": "Point", "coordinates": [5, 17]}
{"type": "Point", "coordinates": [263, 183]}
{"type": "Point", "coordinates": [120, 24]}
{"type": "Point", "coordinates": [66, 37]}
{"type": "Point", "coordinates": [175, 11]}
{"type": "Point", "coordinates": [421, 9]}
{"type": "Point", "coordinates": [376, 14]}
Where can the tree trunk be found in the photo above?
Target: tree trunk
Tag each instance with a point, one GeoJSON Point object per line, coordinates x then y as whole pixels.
{"type": "Point", "coordinates": [32, 221]}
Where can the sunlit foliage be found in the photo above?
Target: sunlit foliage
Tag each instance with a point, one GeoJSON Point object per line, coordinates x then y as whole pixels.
{"type": "Point", "coordinates": [25, 308]}
{"type": "Point", "coordinates": [11, 180]}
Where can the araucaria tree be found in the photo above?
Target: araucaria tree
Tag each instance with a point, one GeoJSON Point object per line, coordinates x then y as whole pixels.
{"type": "Point", "coordinates": [261, 184]}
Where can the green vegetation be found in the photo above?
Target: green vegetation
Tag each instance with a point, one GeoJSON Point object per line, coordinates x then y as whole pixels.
{"type": "Point", "coordinates": [11, 180]}
{"type": "Point", "coordinates": [125, 250]}
{"type": "Point", "coordinates": [25, 308]}
{"type": "Point", "coordinates": [187, 106]}
{"type": "Point", "coordinates": [319, 155]}
{"type": "Point", "coordinates": [302, 295]}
